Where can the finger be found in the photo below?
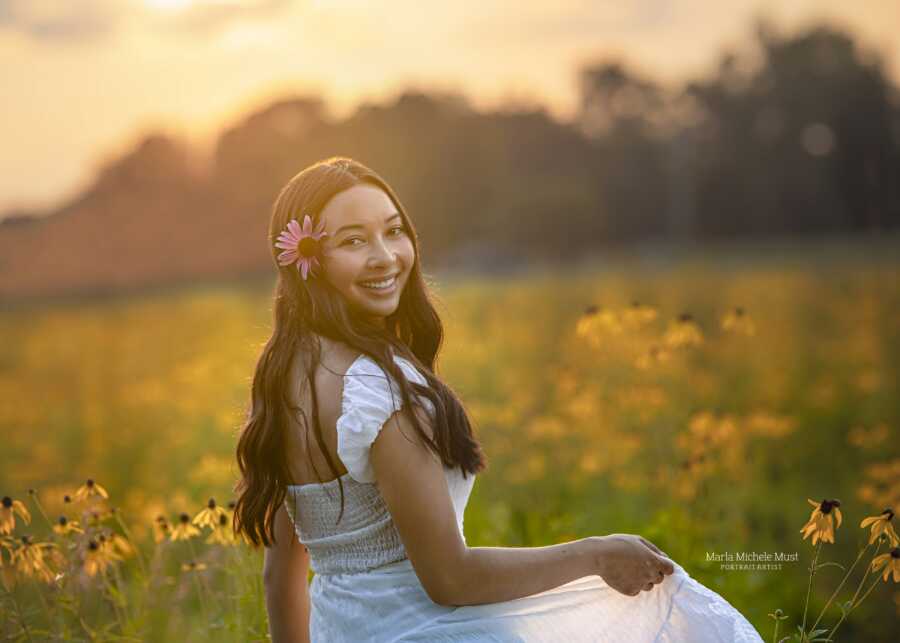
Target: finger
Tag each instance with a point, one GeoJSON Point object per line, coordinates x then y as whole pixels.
{"type": "Point", "coordinates": [666, 566]}
{"type": "Point", "coordinates": [651, 545]}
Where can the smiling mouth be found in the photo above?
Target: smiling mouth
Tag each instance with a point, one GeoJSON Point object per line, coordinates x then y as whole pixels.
{"type": "Point", "coordinates": [382, 285]}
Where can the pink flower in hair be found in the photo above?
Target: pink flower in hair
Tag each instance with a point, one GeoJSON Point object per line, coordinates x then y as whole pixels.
{"type": "Point", "coordinates": [301, 245]}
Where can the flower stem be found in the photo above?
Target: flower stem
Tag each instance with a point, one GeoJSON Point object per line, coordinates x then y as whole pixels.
{"type": "Point", "coordinates": [840, 585]}
{"type": "Point", "coordinates": [812, 572]}
{"type": "Point", "coordinates": [21, 619]}
{"type": "Point", "coordinates": [853, 602]}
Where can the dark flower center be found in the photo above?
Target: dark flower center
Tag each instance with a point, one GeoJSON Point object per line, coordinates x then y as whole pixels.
{"type": "Point", "coordinates": [211, 504]}
{"type": "Point", "coordinates": [7, 502]}
{"type": "Point", "coordinates": [92, 545]}
{"type": "Point", "coordinates": [184, 518]}
{"type": "Point", "coordinates": [89, 483]}
{"type": "Point", "coordinates": [738, 311]}
{"type": "Point", "coordinates": [895, 552]}
{"type": "Point", "coordinates": [232, 505]}
{"type": "Point", "coordinates": [888, 514]}
{"type": "Point", "coordinates": [63, 521]}
{"type": "Point", "coordinates": [160, 518]}
{"type": "Point", "coordinates": [308, 247]}
{"type": "Point", "coordinates": [590, 310]}
{"type": "Point", "coordinates": [685, 317]}
{"type": "Point", "coordinates": [827, 505]}
{"type": "Point", "coordinates": [67, 498]}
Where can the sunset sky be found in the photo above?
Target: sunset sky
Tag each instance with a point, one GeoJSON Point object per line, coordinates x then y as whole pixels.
{"type": "Point", "coordinates": [84, 79]}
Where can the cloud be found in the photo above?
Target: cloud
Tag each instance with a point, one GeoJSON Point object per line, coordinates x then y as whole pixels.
{"type": "Point", "coordinates": [50, 21]}
{"type": "Point", "coordinates": [210, 17]}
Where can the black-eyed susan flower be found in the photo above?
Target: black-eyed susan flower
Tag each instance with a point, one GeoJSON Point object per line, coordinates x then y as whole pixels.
{"type": "Point", "coordinates": [65, 526]}
{"type": "Point", "coordinates": [737, 321]}
{"type": "Point", "coordinates": [8, 510]}
{"type": "Point", "coordinates": [881, 524]}
{"type": "Point", "coordinates": [160, 529]}
{"type": "Point", "coordinates": [209, 517]}
{"type": "Point", "coordinates": [222, 533]}
{"type": "Point", "coordinates": [116, 543]}
{"type": "Point", "coordinates": [683, 331]}
{"type": "Point", "coordinates": [184, 530]}
{"type": "Point", "coordinates": [90, 489]}
{"type": "Point", "coordinates": [99, 555]}
{"type": "Point", "coordinates": [820, 524]}
{"type": "Point", "coordinates": [890, 560]}
{"type": "Point", "coordinates": [29, 560]}
{"type": "Point", "coordinates": [192, 566]}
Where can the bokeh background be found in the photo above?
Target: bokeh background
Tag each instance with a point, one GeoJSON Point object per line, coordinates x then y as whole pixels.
{"type": "Point", "coordinates": [663, 236]}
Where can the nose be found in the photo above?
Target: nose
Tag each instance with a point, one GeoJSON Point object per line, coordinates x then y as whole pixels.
{"type": "Point", "coordinates": [381, 255]}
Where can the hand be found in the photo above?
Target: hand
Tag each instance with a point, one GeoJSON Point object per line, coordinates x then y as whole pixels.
{"type": "Point", "coordinates": [630, 563]}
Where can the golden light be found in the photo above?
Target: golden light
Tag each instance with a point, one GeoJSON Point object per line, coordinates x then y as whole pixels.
{"type": "Point", "coordinates": [168, 5]}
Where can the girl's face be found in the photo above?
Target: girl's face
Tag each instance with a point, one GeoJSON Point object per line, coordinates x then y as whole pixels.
{"type": "Point", "coordinates": [367, 242]}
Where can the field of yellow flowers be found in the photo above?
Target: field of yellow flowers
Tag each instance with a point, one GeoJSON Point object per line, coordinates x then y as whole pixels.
{"type": "Point", "coordinates": [718, 407]}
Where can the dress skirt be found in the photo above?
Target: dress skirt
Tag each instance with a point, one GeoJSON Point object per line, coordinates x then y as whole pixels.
{"type": "Point", "coordinates": [388, 604]}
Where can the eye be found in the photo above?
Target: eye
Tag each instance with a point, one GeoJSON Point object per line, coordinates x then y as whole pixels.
{"type": "Point", "coordinates": [399, 229]}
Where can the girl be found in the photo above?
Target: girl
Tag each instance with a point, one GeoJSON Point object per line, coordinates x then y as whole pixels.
{"type": "Point", "coordinates": [357, 460]}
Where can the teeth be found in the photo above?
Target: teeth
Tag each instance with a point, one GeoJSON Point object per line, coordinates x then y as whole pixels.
{"type": "Point", "coordinates": [387, 283]}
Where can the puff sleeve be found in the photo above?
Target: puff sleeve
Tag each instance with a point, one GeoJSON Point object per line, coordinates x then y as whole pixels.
{"type": "Point", "coordinates": [368, 400]}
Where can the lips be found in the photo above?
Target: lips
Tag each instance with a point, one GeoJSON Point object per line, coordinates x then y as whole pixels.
{"type": "Point", "coordinates": [377, 279]}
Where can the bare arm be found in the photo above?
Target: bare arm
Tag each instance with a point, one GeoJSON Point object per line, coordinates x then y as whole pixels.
{"type": "Point", "coordinates": [411, 481]}
{"type": "Point", "coordinates": [285, 574]}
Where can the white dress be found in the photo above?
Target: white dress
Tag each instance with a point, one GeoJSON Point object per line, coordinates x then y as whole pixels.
{"type": "Point", "coordinates": [365, 588]}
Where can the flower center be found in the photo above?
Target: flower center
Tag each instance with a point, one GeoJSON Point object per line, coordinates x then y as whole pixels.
{"type": "Point", "coordinates": [211, 504]}
{"type": "Point", "coordinates": [308, 247]}
{"type": "Point", "coordinates": [184, 518]}
{"type": "Point", "coordinates": [895, 552]}
{"type": "Point", "coordinates": [7, 502]}
{"type": "Point", "coordinates": [827, 505]}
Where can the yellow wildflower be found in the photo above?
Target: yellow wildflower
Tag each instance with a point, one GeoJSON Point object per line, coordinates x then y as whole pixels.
{"type": "Point", "coordinates": [222, 533]}
{"type": "Point", "coordinates": [90, 489]}
{"type": "Point", "coordinates": [881, 524]}
{"type": "Point", "coordinates": [117, 544]}
{"type": "Point", "coordinates": [98, 557]}
{"type": "Point", "coordinates": [184, 530]}
{"type": "Point", "coordinates": [683, 331]}
{"type": "Point", "coordinates": [209, 517]}
{"type": "Point", "coordinates": [820, 523]}
{"type": "Point", "coordinates": [736, 320]}
{"type": "Point", "coordinates": [890, 561]}
{"type": "Point", "coordinates": [8, 510]}
{"type": "Point", "coordinates": [160, 529]}
{"type": "Point", "coordinates": [29, 560]}
{"type": "Point", "coordinates": [65, 526]}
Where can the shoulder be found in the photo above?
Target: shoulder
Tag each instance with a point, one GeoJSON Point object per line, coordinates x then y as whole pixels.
{"type": "Point", "coordinates": [371, 396]}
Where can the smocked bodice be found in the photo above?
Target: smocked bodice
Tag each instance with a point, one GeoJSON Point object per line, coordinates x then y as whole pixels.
{"type": "Point", "coordinates": [366, 537]}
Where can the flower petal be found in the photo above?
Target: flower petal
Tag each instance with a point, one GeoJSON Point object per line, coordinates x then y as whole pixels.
{"type": "Point", "coordinates": [307, 226]}
{"type": "Point", "coordinates": [304, 267]}
{"type": "Point", "coordinates": [295, 229]}
{"type": "Point", "coordinates": [287, 257]}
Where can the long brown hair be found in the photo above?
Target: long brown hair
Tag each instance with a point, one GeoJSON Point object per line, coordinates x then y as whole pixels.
{"type": "Point", "coordinates": [305, 309]}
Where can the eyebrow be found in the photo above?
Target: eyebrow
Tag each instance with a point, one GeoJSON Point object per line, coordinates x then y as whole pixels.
{"type": "Point", "coordinates": [357, 225]}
